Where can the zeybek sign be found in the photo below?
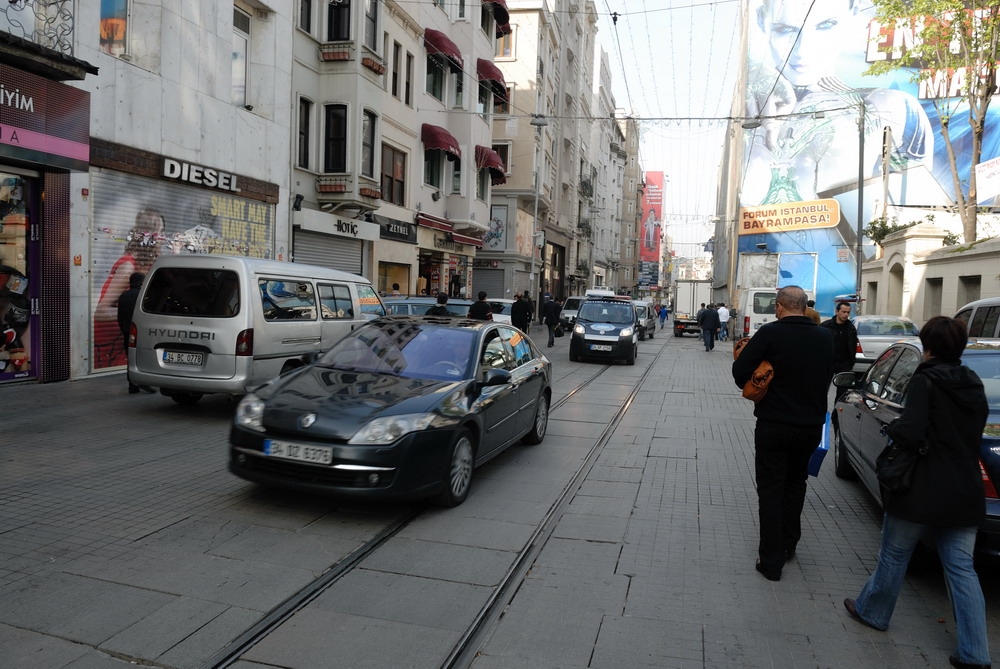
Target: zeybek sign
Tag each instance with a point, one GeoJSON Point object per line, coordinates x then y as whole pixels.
{"type": "Point", "coordinates": [200, 176]}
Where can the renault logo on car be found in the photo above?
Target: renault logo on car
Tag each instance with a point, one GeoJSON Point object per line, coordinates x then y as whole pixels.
{"type": "Point", "coordinates": [307, 420]}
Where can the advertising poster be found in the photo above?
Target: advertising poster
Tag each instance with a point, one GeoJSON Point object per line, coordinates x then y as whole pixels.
{"type": "Point", "coordinates": [651, 231]}
{"type": "Point", "coordinates": [135, 220]}
{"type": "Point", "coordinates": [805, 84]}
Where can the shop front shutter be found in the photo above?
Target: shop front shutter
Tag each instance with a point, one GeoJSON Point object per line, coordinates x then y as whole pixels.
{"type": "Point", "coordinates": [340, 253]}
{"type": "Point", "coordinates": [490, 280]}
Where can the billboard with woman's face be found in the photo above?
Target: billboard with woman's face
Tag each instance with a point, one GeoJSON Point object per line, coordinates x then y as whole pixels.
{"type": "Point", "coordinates": [825, 128]}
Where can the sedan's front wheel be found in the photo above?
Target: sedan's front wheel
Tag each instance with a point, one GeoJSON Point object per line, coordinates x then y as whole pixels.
{"type": "Point", "coordinates": [841, 465]}
{"type": "Point", "coordinates": [537, 432]}
{"type": "Point", "coordinates": [458, 476]}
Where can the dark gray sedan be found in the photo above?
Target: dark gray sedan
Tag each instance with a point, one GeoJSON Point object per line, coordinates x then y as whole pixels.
{"type": "Point", "coordinates": [402, 407]}
{"type": "Point", "coordinates": [878, 398]}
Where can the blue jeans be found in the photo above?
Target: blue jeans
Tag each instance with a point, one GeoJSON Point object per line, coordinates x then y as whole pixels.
{"type": "Point", "coordinates": [723, 332]}
{"type": "Point", "coordinates": [878, 598]}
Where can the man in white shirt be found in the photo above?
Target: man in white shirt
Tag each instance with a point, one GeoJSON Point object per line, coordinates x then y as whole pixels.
{"type": "Point", "coordinates": [723, 322]}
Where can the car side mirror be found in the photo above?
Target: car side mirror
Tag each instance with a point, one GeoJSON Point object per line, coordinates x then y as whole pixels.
{"type": "Point", "coordinates": [844, 379]}
{"type": "Point", "coordinates": [495, 377]}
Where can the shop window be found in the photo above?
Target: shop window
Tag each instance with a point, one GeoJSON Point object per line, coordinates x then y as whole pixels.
{"type": "Point", "coordinates": [433, 159]}
{"type": "Point", "coordinates": [435, 77]}
{"type": "Point", "coordinates": [114, 27]}
{"type": "Point", "coordinates": [393, 175]}
{"type": "Point", "coordinates": [368, 144]}
{"type": "Point", "coordinates": [338, 21]}
{"type": "Point", "coordinates": [241, 56]}
{"type": "Point", "coordinates": [305, 120]}
{"type": "Point", "coordinates": [335, 155]}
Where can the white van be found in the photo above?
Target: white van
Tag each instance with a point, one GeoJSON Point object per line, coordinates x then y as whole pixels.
{"type": "Point", "coordinates": [982, 317]}
{"type": "Point", "coordinates": [221, 324]}
{"type": "Point", "coordinates": [756, 307]}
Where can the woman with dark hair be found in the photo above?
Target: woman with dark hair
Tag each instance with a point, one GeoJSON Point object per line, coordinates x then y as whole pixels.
{"type": "Point", "coordinates": [945, 411]}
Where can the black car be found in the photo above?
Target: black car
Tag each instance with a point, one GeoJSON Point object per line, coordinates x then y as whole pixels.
{"type": "Point", "coordinates": [402, 407]}
{"type": "Point", "coordinates": [877, 399]}
{"type": "Point", "coordinates": [605, 327]}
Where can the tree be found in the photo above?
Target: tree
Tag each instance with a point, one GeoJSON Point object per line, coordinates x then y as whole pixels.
{"type": "Point", "coordinates": [951, 46]}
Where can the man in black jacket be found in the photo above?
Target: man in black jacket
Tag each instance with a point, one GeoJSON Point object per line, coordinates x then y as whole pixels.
{"type": "Point", "coordinates": [845, 341]}
{"type": "Point", "coordinates": [520, 312]}
{"type": "Point", "coordinates": [708, 320]}
{"type": "Point", "coordinates": [550, 316]}
{"type": "Point", "coordinates": [440, 308]}
{"type": "Point", "coordinates": [481, 309]}
{"type": "Point", "coordinates": [790, 420]}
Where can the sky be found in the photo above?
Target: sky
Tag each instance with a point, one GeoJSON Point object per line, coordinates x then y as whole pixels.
{"type": "Point", "coordinates": [674, 65]}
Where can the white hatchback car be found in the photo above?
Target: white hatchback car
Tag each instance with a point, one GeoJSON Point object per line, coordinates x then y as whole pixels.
{"type": "Point", "coordinates": [501, 309]}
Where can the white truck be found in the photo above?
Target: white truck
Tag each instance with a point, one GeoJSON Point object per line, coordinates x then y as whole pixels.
{"type": "Point", "coordinates": [688, 298]}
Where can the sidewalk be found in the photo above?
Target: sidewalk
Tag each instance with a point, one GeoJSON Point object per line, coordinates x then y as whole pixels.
{"type": "Point", "coordinates": [122, 536]}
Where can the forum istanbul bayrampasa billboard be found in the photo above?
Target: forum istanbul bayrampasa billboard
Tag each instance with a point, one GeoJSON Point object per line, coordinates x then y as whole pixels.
{"type": "Point", "coordinates": [805, 82]}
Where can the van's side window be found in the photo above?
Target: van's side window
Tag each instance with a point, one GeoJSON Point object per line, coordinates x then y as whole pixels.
{"type": "Point", "coordinates": [287, 300]}
{"type": "Point", "coordinates": [368, 298]}
{"type": "Point", "coordinates": [335, 301]}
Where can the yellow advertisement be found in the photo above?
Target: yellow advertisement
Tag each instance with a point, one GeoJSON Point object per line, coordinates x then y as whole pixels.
{"type": "Point", "coordinates": [789, 216]}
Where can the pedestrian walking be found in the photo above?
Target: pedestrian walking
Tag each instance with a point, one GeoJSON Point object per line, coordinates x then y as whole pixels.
{"type": "Point", "coordinates": [723, 322]}
{"type": "Point", "coordinates": [664, 312]}
{"type": "Point", "coordinates": [708, 321]}
{"type": "Point", "coordinates": [551, 312]}
{"type": "Point", "coordinates": [845, 342]}
{"type": "Point", "coordinates": [126, 307]}
{"type": "Point", "coordinates": [481, 309]}
{"type": "Point", "coordinates": [945, 412]}
{"type": "Point", "coordinates": [395, 290]}
{"type": "Point", "coordinates": [790, 421]}
{"type": "Point", "coordinates": [440, 309]}
{"type": "Point", "coordinates": [520, 312]}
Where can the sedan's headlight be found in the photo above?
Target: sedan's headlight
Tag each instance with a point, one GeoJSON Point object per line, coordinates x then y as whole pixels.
{"type": "Point", "coordinates": [388, 429]}
{"type": "Point", "coordinates": [579, 329]}
{"type": "Point", "coordinates": [626, 332]}
{"type": "Point", "coordinates": [250, 413]}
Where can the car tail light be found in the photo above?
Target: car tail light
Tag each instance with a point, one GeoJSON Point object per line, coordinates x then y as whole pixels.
{"type": "Point", "coordinates": [131, 335]}
{"type": "Point", "coordinates": [244, 343]}
{"type": "Point", "coordinates": [990, 489]}
{"type": "Point", "coordinates": [746, 326]}
{"type": "Point", "coordinates": [860, 350]}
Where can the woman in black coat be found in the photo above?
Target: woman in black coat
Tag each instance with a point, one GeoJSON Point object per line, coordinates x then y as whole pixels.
{"type": "Point", "coordinates": [945, 411]}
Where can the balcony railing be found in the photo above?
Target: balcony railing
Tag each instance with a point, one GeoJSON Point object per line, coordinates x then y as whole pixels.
{"type": "Point", "coordinates": [47, 23]}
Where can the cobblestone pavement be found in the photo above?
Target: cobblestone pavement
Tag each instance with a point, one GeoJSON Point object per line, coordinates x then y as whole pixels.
{"type": "Point", "coordinates": [123, 539]}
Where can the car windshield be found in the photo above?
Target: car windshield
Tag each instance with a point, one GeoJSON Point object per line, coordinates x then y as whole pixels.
{"type": "Point", "coordinates": [408, 350]}
{"type": "Point", "coordinates": [606, 312]}
{"type": "Point", "coordinates": [572, 304]}
{"type": "Point", "coordinates": [887, 327]}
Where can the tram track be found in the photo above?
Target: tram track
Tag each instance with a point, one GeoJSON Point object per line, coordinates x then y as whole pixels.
{"type": "Point", "coordinates": [469, 643]}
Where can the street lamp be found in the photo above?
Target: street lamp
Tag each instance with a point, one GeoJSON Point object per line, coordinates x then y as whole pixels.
{"type": "Point", "coordinates": [539, 122]}
{"type": "Point", "coordinates": [861, 197]}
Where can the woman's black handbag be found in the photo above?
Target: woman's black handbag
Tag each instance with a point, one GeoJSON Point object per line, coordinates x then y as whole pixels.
{"type": "Point", "coordinates": [894, 466]}
{"type": "Point", "coordinates": [557, 331]}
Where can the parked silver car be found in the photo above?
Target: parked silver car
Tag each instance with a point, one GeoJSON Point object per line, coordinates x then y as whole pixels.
{"type": "Point", "coordinates": [876, 333]}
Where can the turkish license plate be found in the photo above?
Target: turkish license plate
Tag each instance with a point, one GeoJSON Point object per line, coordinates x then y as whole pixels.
{"type": "Point", "coordinates": [182, 358]}
{"type": "Point", "coordinates": [601, 347]}
{"type": "Point", "coordinates": [322, 455]}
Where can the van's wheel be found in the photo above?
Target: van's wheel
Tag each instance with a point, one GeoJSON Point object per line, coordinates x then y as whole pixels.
{"type": "Point", "coordinates": [642, 335]}
{"type": "Point", "coordinates": [186, 399]}
{"type": "Point", "coordinates": [458, 475]}
{"type": "Point", "coordinates": [541, 423]}
{"type": "Point", "coordinates": [573, 357]}
{"type": "Point", "coordinates": [630, 360]}
{"type": "Point", "coordinates": [652, 332]}
{"type": "Point", "coordinates": [289, 366]}
{"type": "Point", "coordinates": [678, 334]}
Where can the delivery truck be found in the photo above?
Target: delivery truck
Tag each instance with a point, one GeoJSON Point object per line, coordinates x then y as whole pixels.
{"type": "Point", "coordinates": [688, 298]}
